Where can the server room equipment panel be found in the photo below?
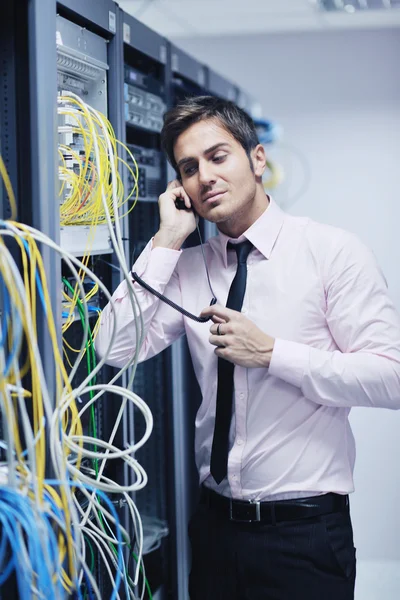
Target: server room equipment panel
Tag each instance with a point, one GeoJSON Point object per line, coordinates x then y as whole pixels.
{"type": "Point", "coordinates": [150, 179]}
{"type": "Point", "coordinates": [81, 75]}
{"type": "Point", "coordinates": [189, 77]}
{"type": "Point", "coordinates": [144, 103]}
{"type": "Point", "coordinates": [221, 87]}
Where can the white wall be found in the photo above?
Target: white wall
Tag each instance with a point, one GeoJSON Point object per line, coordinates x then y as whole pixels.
{"type": "Point", "coordinates": [337, 97]}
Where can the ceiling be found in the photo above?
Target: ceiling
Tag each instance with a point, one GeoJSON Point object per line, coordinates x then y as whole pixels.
{"type": "Point", "coordinates": [197, 18]}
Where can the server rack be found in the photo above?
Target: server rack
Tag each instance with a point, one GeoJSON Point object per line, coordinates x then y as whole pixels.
{"type": "Point", "coordinates": [28, 126]}
{"type": "Point", "coordinates": [145, 99]}
{"type": "Point", "coordinates": [31, 65]}
{"type": "Point", "coordinates": [221, 87]}
{"type": "Point", "coordinates": [245, 101]}
{"type": "Point", "coordinates": [135, 57]}
{"type": "Point", "coordinates": [97, 41]}
{"type": "Point", "coordinates": [27, 131]}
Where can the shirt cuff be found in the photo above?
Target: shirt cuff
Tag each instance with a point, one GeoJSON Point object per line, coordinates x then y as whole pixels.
{"type": "Point", "coordinates": [156, 265]}
{"type": "Point", "coordinates": [289, 361]}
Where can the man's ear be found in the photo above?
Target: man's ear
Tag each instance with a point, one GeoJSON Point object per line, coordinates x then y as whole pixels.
{"type": "Point", "coordinates": [259, 160]}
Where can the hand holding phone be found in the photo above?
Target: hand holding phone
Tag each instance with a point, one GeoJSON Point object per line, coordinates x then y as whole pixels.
{"type": "Point", "coordinates": [177, 218]}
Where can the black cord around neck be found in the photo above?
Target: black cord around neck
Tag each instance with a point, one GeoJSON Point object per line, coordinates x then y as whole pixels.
{"type": "Point", "coordinates": [184, 312]}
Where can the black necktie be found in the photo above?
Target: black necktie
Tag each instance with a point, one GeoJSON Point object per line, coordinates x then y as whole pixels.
{"type": "Point", "coordinates": [223, 414]}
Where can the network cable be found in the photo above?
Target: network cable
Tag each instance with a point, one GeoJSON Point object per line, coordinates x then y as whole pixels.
{"type": "Point", "coordinates": [61, 419]}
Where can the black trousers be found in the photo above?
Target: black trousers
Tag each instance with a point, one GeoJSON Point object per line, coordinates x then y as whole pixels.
{"type": "Point", "coordinates": [308, 559]}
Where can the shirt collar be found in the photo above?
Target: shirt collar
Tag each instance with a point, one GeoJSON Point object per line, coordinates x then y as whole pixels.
{"type": "Point", "coordinates": [262, 234]}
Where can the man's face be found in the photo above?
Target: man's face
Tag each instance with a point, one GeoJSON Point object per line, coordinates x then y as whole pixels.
{"type": "Point", "coordinates": [217, 176]}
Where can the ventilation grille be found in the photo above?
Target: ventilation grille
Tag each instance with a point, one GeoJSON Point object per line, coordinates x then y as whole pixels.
{"type": "Point", "coordinates": [77, 67]}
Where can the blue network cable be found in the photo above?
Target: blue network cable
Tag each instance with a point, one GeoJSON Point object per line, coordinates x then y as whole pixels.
{"type": "Point", "coordinates": [17, 325]}
{"type": "Point", "coordinates": [88, 586]}
{"type": "Point", "coordinates": [19, 513]}
{"type": "Point", "coordinates": [6, 311]}
{"type": "Point", "coordinates": [21, 532]}
{"type": "Point", "coordinates": [95, 309]}
{"type": "Point", "coordinates": [38, 282]}
{"type": "Point", "coordinates": [268, 132]}
{"type": "Point", "coordinates": [120, 556]}
{"type": "Point", "coordinates": [10, 315]}
{"type": "Point", "coordinates": [59, 513]}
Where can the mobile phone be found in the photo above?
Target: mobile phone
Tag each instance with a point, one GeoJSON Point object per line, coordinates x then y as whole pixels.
{"type": "Point", "coordinates": [180, 204]}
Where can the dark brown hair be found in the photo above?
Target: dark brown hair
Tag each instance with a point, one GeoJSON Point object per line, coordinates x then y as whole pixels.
{"type": "Point", "coordinates": [192, 110]}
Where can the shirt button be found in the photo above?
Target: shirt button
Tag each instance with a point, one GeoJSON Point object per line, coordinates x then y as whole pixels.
{"type": "Point", "coordinates": [241, 396]}
{"type": "Point", "coordinates": [234, 476]}
{"type": "Point", "coordinates": [239, 441]}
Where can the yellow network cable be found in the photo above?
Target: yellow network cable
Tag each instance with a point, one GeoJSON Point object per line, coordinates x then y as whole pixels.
{"type": "Point", "coordinates": [62, 381]}
{"type": "Point", "coordinates": [84, 203]}
{"type": "Point", "coordinates": [81, 189]}
{"type": "Point", "coordinates": [25, 307]}
{"type": "Point", "coordinates": [36, 388]}
{"type": "Point", "coordinates": [63, 385]}
{"type": "Point", "coordinates": [91, 181]}
{"type": "Point", "coordinates": [8, 186]}
{"type": "Point", "coordinates": [17, 303]}
{"type": "Point", "coordinates": [85, 200]}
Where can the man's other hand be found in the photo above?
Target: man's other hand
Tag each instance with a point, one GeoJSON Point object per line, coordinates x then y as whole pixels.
{"type": "Point", "coordinates": [238, 339]}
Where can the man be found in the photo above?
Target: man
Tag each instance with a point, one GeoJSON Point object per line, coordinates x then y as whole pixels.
{"type": "Point", "coordinates": [309, 332]}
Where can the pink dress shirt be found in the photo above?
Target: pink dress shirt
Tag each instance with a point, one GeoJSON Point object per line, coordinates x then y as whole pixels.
{"type": "Point", "coordinates": [319, 292]}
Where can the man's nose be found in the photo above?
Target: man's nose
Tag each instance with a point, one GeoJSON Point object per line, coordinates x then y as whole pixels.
{"type": "Point", "coordinates": [206, 174]}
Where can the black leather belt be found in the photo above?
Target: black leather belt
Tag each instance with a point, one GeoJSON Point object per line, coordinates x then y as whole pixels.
{"type": "Point", "coordinates": [273, 511]}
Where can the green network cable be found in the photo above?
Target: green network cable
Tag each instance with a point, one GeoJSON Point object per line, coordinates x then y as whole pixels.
{"type": "Point", "coordinates": [92, 561]}
{"type": "Point", "coordinates": [91, 364]}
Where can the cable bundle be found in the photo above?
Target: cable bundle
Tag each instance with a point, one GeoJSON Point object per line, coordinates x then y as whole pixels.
{"type": "Point", "coordinates": [75, 504]}
{"type": "Point", "coordinates": [84, 178]}
{"type": "Point", "coordinates": [30, 539]}
{"type": "Point", "coordinates": [91, 185]}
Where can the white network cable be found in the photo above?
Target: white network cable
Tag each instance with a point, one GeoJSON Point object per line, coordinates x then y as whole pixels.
{"type": "Point", "coordinates": [119, 250]}
{"type": "Point", "coordinates": [81, 520]}
{"type": "Point", "coordinates": [57, 450]}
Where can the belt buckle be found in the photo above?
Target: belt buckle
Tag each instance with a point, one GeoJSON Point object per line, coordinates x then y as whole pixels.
{"type": "Point", "coordinates": [257, 518]}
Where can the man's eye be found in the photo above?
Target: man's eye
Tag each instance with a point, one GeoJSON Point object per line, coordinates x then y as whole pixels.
{"type": "Point", "coordinates": [189, 170]}
{"type": "Point", "coordinates": [219, 157]}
